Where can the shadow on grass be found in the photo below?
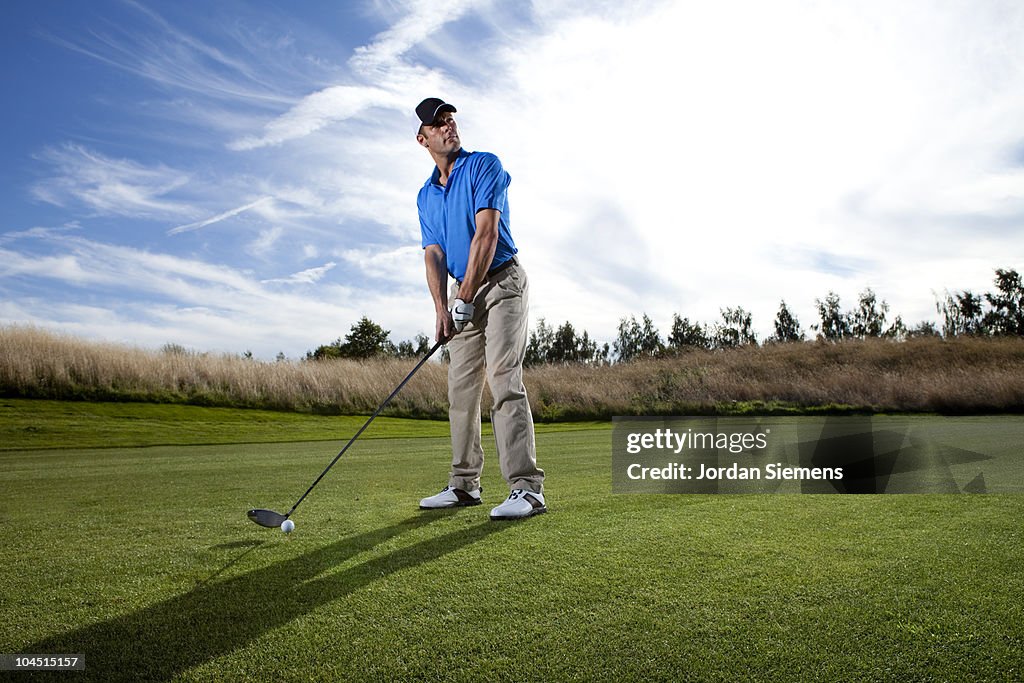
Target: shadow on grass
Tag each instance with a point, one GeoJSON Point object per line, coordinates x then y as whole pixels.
{"type": "Point", "coordinates": [249, 547]}
{"type": "Point", "coordinates": [237, 545]}
{"type": "Point", "coordinates": [158, 642]}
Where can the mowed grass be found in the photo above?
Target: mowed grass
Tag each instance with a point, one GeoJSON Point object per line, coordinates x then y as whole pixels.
{"type": "Point", "coordinates": [142, 559]}
{"type": "Point", "coordinates": [39, 424]}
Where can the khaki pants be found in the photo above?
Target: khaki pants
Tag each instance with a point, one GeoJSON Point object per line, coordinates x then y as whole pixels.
{"type": "Point", "coordinates": [495, 343]}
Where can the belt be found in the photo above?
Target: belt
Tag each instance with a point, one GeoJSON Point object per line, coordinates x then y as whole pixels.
{"type": "Point", "coordinates": [497, 269]}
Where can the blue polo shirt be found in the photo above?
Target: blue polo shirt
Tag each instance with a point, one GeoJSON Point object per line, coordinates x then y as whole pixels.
{"type": "Point", "coordinates": [448, 212]}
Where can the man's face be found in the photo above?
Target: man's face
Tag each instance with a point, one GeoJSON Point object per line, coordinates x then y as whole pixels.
{"type": "Point", "coordinates": [441, 137]}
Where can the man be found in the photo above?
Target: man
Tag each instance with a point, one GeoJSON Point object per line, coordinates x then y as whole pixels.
{"type": "Point", "coordinates": [464, 221]}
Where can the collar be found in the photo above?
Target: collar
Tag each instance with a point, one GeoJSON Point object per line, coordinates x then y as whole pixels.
{"type": "Point", "coordinates": [435, 177]}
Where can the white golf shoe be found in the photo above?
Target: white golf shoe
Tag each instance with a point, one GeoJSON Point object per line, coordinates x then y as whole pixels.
{"type": "Point", "coordinates": [520, 504]}
{"type": "Point", "coordinates": [450, 497]}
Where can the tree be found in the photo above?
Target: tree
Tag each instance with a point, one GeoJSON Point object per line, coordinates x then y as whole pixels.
{"type": "Point", "coordinates": [326, 351]}
{"type": "Point", "coordinates": [787, 327]}
{"type": "Point", "coordinates": [687, 335]}
{"type": "Point", "coordinates": [735, 329]}
{"type": "Point", "coordinates": [897, 331]}
{"type": "Point", "coordinates": [636, 340]}
{"type": "Point", "coordinates": [1006, 316]}
{"type": "Point", "coordinates": [172, 349]}
{"type": "Point", "coordinates": [406, 349]}
{"type": "Point", "coordinates": [923, 329]}
{"type": "Point", "coordinates": [562, 346]}
{"type": "Point", "coordinates": [366, 339]}
{"type": "Point", "coordinates": [566, 347]}
{"type": "Point", "coordinates": [834, 325]}
{"type": "Point", "coordinates": [962, 314]}
{"type": "Point", "coordinates": [868, 319]}
{"type": "Point", "coordinates": [538, 349]}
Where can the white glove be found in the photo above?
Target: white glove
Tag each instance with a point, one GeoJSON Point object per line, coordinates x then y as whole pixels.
{"type": "Point", "coordinates": [462, 313]}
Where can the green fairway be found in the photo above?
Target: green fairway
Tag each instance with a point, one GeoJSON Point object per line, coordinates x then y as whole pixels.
{"type": "Point", "coordinates": [30, 424]}
{"type": "Point", "coordinates": [142, 560]}
{"type": "Point", "coordinates": [38, 424]}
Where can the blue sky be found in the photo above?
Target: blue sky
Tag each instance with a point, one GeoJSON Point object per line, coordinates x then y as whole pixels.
{"type": "Point", "coordinates": [242, 176]}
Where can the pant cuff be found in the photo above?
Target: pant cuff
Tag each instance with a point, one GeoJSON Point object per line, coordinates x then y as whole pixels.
{"type": "Point", "coordinates": [464, 483]}
{"type": "Point", "coordinates": [527, 485]}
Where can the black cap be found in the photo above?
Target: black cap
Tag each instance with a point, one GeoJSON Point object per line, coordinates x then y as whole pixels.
{"type": "Point", "coordinates": [429, 108]}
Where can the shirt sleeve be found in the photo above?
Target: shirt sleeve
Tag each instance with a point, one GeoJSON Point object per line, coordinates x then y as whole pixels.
{"type": "Point", "coordinates": [490, 184]}
{"type": "Point", "coordinates": [428, 233]}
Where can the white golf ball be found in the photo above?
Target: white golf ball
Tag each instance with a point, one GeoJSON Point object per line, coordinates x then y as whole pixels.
{"type": "Point", "coordinates": [287, 526]}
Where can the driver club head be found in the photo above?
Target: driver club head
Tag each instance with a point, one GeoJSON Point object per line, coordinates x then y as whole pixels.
{"type": "Point", "coordinates": [271, 519]}
{"type": "Point", "coordinates": [267, 518]}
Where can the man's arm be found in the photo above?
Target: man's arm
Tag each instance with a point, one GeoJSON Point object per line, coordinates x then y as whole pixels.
{"type": "Point", "coordinates": [481, 252]}
{"type": "Point", "coordinates": [437, 281]}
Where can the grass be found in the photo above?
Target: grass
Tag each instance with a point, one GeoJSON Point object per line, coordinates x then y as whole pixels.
{"type": "Point", "coordinates": [35, 424]}
{"type": "Point", "coordinates": [142, 559]}
{"type": "Point", "coordinates": [955, 376]}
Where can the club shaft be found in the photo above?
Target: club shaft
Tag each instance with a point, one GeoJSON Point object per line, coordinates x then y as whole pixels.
{"type": "Point", "coordinates": [365, 425]}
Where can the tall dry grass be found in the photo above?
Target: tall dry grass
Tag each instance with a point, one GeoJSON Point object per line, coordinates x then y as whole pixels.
{"type": "Point", "coordinates": [958, 375]}
{"type": "Point", "coordinates": [39, 364]}
{"type": "Point", "coordinates": [919, 375]}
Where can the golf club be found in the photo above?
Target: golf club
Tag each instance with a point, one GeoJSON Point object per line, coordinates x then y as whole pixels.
{"type": "Point", "coordinates": [269, 518]}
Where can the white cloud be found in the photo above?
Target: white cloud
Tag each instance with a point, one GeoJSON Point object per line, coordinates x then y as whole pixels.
{"type": "Point", "coordinates": [230, 213]}
{"type": "Point", "coordinates": [265, 242]}
{"type": "Point", "coordinates": [65, 267]}
{"type": "Point", "coordinates": [381, 62]}
{"type": "Point", "coordinates": [316, 111]}
{"type": "Point", "coordinates": [118, 187]}
{"type": "Point", "coordinates": [304, 277]}
{"type": "Point", "coordinates": [201, 305]}
{"type": "Point", "coordinates": [419, 19]}
{"type": "Point", "coordinates": [399, 266]}
{"type": "Point", "coordinates": [177, 60]}
{"type": "Point", "coordinates": [39, 231]}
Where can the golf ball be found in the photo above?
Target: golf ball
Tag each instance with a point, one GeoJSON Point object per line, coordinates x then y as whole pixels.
{"type": "Point", "coordinates": [287, 526]}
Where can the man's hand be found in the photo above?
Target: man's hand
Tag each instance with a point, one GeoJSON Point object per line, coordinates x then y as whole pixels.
{"type": "Point", "coordinates": [462, 314]}
{"type": "Point", "coordinates": [437, 281]}
{"type": "Point", "coordinates": [444, 329]}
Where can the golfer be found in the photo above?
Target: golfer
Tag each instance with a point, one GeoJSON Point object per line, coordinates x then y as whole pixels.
{"type": "Point", "coordinates": [464, 221]}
